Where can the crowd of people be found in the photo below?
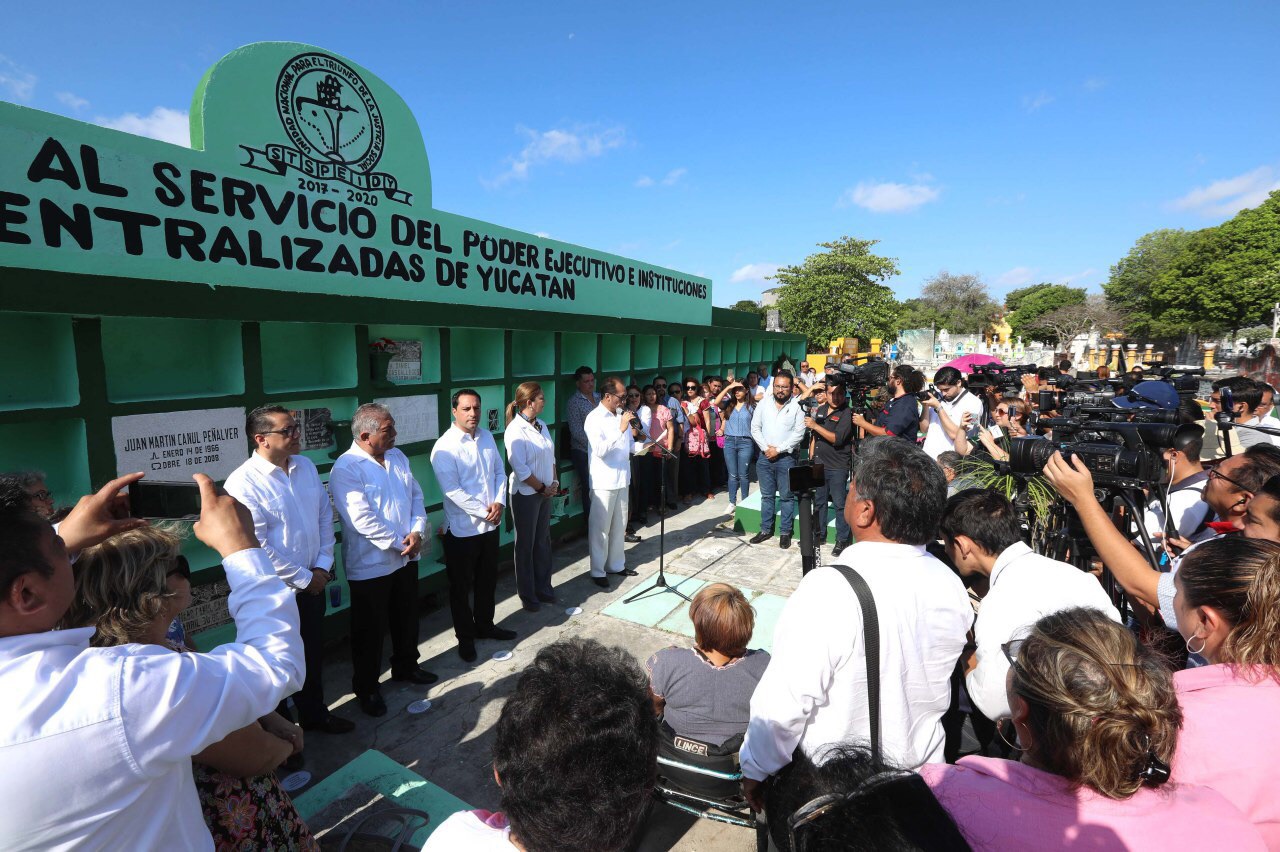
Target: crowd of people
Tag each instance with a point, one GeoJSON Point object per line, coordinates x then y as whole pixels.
{"type": "Point", "coordinates": [1089, 730]}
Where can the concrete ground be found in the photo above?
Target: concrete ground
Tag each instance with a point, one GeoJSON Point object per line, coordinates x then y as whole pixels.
{"type": "Point", "coordinates": [450, 743]}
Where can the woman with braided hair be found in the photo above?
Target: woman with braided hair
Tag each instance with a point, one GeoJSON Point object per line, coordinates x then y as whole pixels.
{"type": "Point", "coordinates": [1228, 606]}
{"type": "Point", "coordinates": [1097, 723]}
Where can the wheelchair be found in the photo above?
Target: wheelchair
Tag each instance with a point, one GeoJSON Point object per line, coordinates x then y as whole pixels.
{"type": "Point", "coordinates": [706, 781]}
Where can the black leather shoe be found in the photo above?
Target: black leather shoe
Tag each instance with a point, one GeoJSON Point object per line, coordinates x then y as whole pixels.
{"type": "Point", "coordinates": [631, 538]}
{"type": "Point", "coordinates": [373, 705]}
{"type": "Point", "coordinates": [495, 633]}
{"type": "Point", "coordinates": [761, 536]}
{"type": "Point", "coordinates": [784, 541]}
{"type": "Point", "coordinates": [548, 599]}
{"type": "Point", "coordinates": [293, 762]}
{"type": "Point", "coordinates": [331, 725]}
{"type": "Point", "coordinates": [467, 650]}
{"type": "Point", "coordinates": [625, 572]}
{"type": "Point", "coordinates": [601, 582]}
{"type": "Point", "coordinates": [530, 607]}
{"type": "Point", "coordinates": [839, 548]}
{"type": "Point", "coordinates": [418, 675]}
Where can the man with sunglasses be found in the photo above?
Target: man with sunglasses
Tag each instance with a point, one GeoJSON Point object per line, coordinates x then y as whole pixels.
{"type": "Point", "coordinates": [293, 518]}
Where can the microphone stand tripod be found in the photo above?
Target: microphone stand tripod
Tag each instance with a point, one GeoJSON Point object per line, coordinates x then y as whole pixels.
{"type": "Point", "coordinates": [660, 583]}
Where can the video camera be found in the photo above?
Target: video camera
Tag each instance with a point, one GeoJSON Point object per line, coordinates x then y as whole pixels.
{"type": "Point", "coordinates": [1006, 379]}
{"type": "Point", "coordinates": [859, 381]}
{"type": "Point", "coordinates": [1185, 380]}
{"type": "Point", "coordinates": [1119, 455]}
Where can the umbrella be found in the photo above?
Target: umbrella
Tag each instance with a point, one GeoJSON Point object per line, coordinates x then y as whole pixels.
{"type": "Point", "coordinates": [966, 363]}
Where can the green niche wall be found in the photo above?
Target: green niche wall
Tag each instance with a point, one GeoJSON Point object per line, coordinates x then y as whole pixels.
{"type": "Point", "coordinates": [307, 356]}
{"type": "Point", "coordinates": [151, 358]}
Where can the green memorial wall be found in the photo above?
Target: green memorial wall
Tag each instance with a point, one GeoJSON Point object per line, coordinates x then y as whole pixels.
{"type": "Point", "coordinates": [150, 294]}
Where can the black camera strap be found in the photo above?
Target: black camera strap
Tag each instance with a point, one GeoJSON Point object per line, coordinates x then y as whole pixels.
{"type": "Point", "coordinates": [871, 644]}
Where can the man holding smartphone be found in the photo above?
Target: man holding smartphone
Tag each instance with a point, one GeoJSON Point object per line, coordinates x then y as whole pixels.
{"type": "Point", "coordinates": [293, 519]}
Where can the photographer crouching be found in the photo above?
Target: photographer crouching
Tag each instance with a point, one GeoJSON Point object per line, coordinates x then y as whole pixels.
{"type": "Point", "coordinates": [831, 425]}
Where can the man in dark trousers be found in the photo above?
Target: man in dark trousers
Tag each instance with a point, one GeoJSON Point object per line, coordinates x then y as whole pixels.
{"type": "Point", "coordinates": [832, 426]}
{"type": "Point", "coordinates": [474, 484]}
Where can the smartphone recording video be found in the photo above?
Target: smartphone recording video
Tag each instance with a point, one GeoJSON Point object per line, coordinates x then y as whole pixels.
{"type": "Point", "coordinates": [164, 501]}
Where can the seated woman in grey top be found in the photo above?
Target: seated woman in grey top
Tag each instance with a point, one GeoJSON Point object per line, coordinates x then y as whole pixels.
{"type": "Point", "coordinates": [704, 692]}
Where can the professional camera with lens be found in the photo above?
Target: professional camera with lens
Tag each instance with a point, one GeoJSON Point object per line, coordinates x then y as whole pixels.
{"type": "Point", "coordinates": [860, 381]}
{"type": "Point", "coordinates": [1118, 455]}
{"type": "Point", "coordinates": [1007, 380]}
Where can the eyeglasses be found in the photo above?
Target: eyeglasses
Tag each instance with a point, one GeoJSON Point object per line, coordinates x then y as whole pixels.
{"type": "Point", "coordinates": [291, 431]}
{"type": "Point", "coordinates": [180, 567]}
{"type": "Point", "coordinates": [1214, 473]}
{"type": "Point", "coordinates": [690, 387]}
{"type": "Point", "coordinates": [1002, 412]}
{"type": "Point", "coordinates": [814, 809]}
{"type": "Point", "coordinates": [41, 495]}
{"type": "Point", "coordinates": [1011, 649]}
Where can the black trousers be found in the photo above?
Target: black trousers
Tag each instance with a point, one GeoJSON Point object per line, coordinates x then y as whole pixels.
{"type": "Point", "coordinates": [378, 605]}
{"type": "Point", "coordinates": [719, 471]}
{"type": "Point", "coordinates": [471, 564]}
{"type": "Point", "coordinates": [310, 699]}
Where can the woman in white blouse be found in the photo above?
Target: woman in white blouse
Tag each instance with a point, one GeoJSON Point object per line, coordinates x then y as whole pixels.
{"type": "Point", "coordinates": [532, 456]}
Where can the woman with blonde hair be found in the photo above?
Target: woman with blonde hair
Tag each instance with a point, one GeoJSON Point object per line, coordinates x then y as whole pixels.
{"type": "Point", "coordinates": [532, 456]}
{"type": "Point", "coordinates": [130, 588]}
{"type": "Point", "coordinates": [704, 692]}
{"type": "Point", "coordinates": [1097, 723]}
{"type": "Point", "coordinates": [1227, 603]}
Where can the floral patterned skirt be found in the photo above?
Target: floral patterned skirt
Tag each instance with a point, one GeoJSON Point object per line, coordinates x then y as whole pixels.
{"type": "Point", "coordinates": [250, 813]}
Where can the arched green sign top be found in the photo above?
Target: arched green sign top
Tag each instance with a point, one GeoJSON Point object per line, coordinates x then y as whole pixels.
{"type": "Point", "coordinates": [322, 116]}
{"type": "Point", "coordinates": [306, 173]}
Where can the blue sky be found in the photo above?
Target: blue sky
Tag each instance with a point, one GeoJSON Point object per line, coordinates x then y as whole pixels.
{"type": "Point", "coordinates": [1007, 139]}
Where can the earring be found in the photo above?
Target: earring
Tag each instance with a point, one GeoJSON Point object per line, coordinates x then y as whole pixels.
{"type": "Point", "coordinates": [1000, 723]}
{"type": "Point", "coordinates": [1197, 651]}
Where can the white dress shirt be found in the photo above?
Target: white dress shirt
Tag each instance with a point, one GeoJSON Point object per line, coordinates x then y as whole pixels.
{"type": "Point", "coordinates": [610, 449]}
{"type": "Point", "coordinates": [379, 507]}
{"type": "Point", "coordinates": [782, 428]}
{"type": "Point", "coordinates": [936, 441]}
{"type": "Point", "coordinates": [472, 477]}
{"type": "Point", "coordinates": [814, 693]}
{"type": "Point", "coordinates": [96, 743]}
{"type": "Point", "coordinates": [1024, 588]}
{"type": "Point", "coordinates": [1186, 505]}
{"type": "Point", "coordinates": [530, 452]}
{"type": "Point", "coordinates": [292, 515]}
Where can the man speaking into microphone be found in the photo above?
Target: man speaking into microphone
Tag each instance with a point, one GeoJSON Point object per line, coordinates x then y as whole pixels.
{"type": "Point", "coordinates": [609, 437]}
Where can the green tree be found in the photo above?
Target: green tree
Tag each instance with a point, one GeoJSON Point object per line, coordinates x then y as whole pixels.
{"type": "Point", "coordinates": [750, 307]}
{"type": "Point", "coordinates": [917, 313]}
{"type": "Point", "coordinates": [839, 293]}
{"type": "Point", "coordinates": [1227, 278]}
{"type": "Point", "coordinates": [960, 302]}
{"type": "Point", "coordinates": [1129, 289]}
{"type": "Point", "coordinates": [1032, 303]}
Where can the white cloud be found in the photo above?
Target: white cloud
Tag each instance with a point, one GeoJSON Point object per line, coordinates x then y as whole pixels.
{"type": "Point", "coordinates": [889, 197]}
{"type": "Point", "coordinates": [1031, 103]}
{"type": "Point", "coordinates": [674, 176]}
{"type": "Point", "coordinates": [1093, 84]}
{"type": "Point", "coordinates": [167, 125]}
{"type": "Point", "coordinates": [71, 101]}
{"type": "Point", "coordinates": [559, 145]}
{"type": "Point", "coordinates": [753, 272]}
{"type": "Point", "coordinates": [1016, 277]}
{"type": "Point", "coordinates": [1231, 195]}
{"type": "Point", "coordinates": [1071, 279]}
{"type": "Point", "coordinates": [671, 178]}
{"type": "Point", "coordinates": [16, 82]}
{"type": "Point", "coordinates": [542, 234]}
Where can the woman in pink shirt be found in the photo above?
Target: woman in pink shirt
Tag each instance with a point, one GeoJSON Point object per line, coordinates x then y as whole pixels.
{"type": "Point", "coordinates": [1097, 720]}
{"type": "Point", "coordinates": [1228, 608]}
